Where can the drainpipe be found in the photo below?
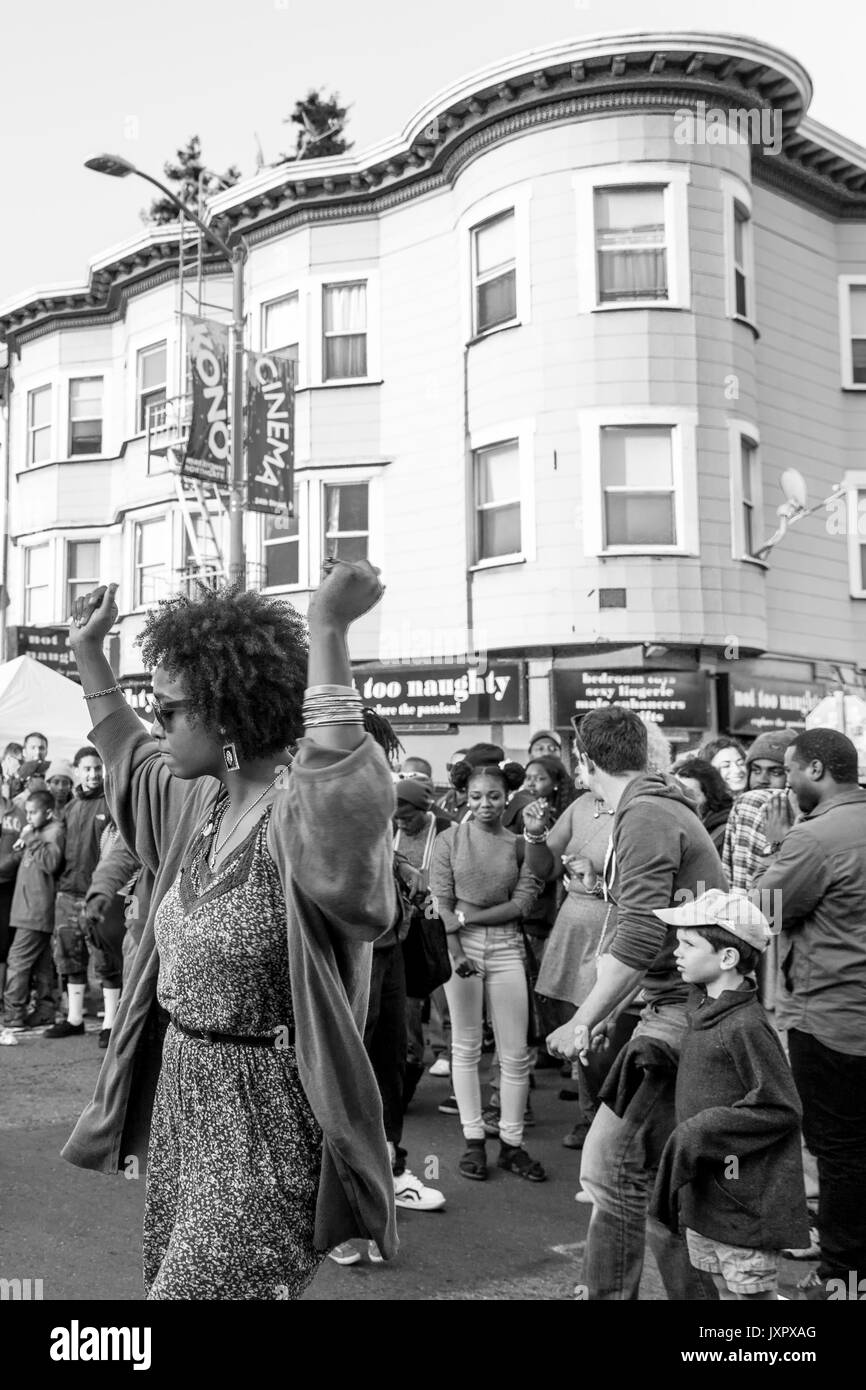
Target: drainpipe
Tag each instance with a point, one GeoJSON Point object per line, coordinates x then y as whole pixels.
{"type": "Point", "coordinates": [468, 509]}
{"type": "Point", "coordinates": [4, 506]}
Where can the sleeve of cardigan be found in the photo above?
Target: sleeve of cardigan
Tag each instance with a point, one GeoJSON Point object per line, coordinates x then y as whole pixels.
{"type": "Point", "coordinates": [145, 800]}
{"type": "Point", "coordinates": [331, 828]}
{"type": "Point", "coordinates": [526, 890]}
{"type": "Point", "coordinates": [442, 870]}
{"type": "Point", "coordinates": [115, 868]}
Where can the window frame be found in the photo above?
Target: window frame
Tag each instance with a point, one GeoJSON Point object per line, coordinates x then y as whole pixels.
{"type": "Point", "coordinates": [140, 421]}
{"type": "Point", "coordinates": [328, 335]}
{"type": "Point", "coordinates": [738, 431]}
{"type": "Point", "coordinates": [33, 431]}
{"type": "Point", "coordinates": [68, 580]}
{"type": "Point", "coordinates": [139, 604]}
{"type": "Point", "coordinates": [736, 194]}
{"type": "Point", "coordinates": [480, 278]}
{"type": "Point", "coordinates": [314, 378]}
{"type": "Point", "coordinates": [302, 512]}
{"type": "Point", "coordinates": [674, 180]}
{"type": "Point", "coordinates": [521, 433]}
{"type": "Point", "coordinates": [346, 535]}
{"type": "Point", "coordinates": [846, 338]}
{"type": "Point", "coordinates": [683, 426]}
{"type": "Point", "coordinates": [282, 348]}
{"type": "Point", "coordinates": [517, 200]}
{"type": "Point", "coordinates": [28, 587]}
{"type": "Point", "coordinates": [89, 453]}
{"type": "Point", "coordinates": [855, 485]}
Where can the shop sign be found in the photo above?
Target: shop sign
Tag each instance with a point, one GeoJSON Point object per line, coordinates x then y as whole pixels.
{"type": "Point", "coordinates": [756, 704]}
{"type": "Point", "coordinates": [453, 694]}
{"type": "Point", "coordinates": [673, 699]}
{"type": "Point", "coordinates": [50, 645]}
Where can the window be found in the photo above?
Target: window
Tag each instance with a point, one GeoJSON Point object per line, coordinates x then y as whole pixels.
{"type": "Point", "coordinates": [742, 231]}
{"type": "Point", "coordinates": [852, 315]}
{"type": "Point", "coordinates": [208, 564]}
{"type": "Point", "coordinates": [848, 517]}
{"type": "Point", "coordinates": [750, 495]}
{"type": "Point", "coordinates": [347, 528]}
{"type": "Point", "coordinates": [638, 486]}
{"type": "Point", "coordinates": [497, 500]}
{"type": "Point", "coordinates": [85, 415]}
{"type": "Point", "coordinates": [39, 425]}
{"type": "Point", "coordinates": [82, 569]}
{"type": "Point", "coordinates": [495, 273]}
{"type": "Point", "coordinates": [630, 243]}
{"type": "Point", "coordinates": [747, 490]}
{"type": "Point", "coordinates": [151, 543]}
{"type": "Point", "coordinates": [37, 585]}
{"type": "Point", "coordinates": [280, 321]}
{"type": "Point", "coordinates": [151, 376]}
{"type": "Point", "coordinates": [344, 329]}
{"type": "Point", "coordinates": [283, 549]}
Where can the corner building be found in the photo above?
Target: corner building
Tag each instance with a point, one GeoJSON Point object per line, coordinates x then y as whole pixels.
{"type": "Point", "coordinates": [556, 344]}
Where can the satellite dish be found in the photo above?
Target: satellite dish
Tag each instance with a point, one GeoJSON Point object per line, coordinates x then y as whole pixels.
{"type": "Point", "coordinates": [793, 484]}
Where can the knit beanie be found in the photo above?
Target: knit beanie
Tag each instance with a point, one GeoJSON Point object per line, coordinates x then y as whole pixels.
{"type": "Point", "coordinates": [771, 745]}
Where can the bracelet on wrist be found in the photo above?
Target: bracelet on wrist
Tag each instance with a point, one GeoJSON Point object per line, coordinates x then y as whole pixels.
{"type": "Point", "coordinates": [538, 839]}
{"type": "Point", "coordinates": [95, 694]}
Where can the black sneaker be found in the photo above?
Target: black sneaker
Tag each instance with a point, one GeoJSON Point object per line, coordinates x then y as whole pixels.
{"type": "Point", "coordinates": [65, 1029]}
{"type": "Point", "coordinates": [104, 1035]}
{"type": "Point", "coordinates": [449, 1106]}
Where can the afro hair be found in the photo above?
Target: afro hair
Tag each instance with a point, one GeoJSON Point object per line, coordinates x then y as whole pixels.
{"type": "Point", "coordinates": [242, 658]}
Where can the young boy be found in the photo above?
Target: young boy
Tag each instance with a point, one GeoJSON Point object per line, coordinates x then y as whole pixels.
{"type": "Point", "coordinates": [41, 849]}
{"type": "Point", "coordinates": [731, 1174]}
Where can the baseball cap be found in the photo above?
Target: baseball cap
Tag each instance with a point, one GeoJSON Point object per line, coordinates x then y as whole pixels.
{"type": "Point", "coordinates": [733, 911]}
{"type": "Point", "coordinates": [34, 768]}
{"type": "Point", "coordinates": [415, 792]}
{"type": "Point", "coordinates": [771, 745]}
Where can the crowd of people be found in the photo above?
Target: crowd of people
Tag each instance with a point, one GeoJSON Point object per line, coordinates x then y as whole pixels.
{"type": "Point", "coordinates": [281, 931]}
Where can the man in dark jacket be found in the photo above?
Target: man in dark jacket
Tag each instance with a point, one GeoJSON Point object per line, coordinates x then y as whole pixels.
{"type": "Point", "coordinates": [818, 880]}
{"type": "Point", "coordinates": [731, 1174]}
{"type": "Point", "coordinates": [660, 855]}
{"type": "Point", "coordinates": [84, 818]}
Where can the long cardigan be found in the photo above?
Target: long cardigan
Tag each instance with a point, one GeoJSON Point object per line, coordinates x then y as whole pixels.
{"type": "Point", "coordinates": [330, 837]}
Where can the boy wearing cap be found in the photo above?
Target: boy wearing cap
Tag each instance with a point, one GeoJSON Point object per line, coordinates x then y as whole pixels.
{"type": "Point", "coordinates": [731, 1174]}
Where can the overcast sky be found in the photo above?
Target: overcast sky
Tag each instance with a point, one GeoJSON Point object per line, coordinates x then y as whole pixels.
{"type": "Point", "coordinates": [84, 76]}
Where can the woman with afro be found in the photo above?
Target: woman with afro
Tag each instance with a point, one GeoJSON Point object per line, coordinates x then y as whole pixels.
{"type": "Point", "coordinates": [266, 1146]}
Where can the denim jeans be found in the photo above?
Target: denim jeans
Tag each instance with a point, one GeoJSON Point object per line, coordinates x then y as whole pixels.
{"type": "Point", "coordinates": [832, 1087]}
{"type": "Point", "coordinates": [29, 960]}
{"type": "Point", "coordinates": [498, 956]}
{"type": "Point", "coordinates": [620, 1159]}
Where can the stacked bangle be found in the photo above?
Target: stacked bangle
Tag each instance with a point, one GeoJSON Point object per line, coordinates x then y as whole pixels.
{"type": "Point", "coordinates": [535, 839]}
{"type": "Point", "coordinates": [328, 705]}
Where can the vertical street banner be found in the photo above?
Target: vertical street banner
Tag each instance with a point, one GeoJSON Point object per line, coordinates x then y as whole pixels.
{"type": "Point", "coordinates": [270, 433]}
{"type": "Point", "coordinates": [209, 443]}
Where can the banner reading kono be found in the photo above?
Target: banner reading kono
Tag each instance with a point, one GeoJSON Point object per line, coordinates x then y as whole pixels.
{"type": "Point", "coordinates": [270, 433]}
{"type": "Point", "coordinates": [209, 443]}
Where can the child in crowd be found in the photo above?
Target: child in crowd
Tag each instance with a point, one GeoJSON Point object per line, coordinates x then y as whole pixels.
{"type": "Point", "coordinates": [731, 1174]}
{"type": "Point", "coordinates": [32, 916]}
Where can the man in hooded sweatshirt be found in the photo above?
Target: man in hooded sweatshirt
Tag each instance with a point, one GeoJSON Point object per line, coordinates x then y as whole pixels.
{"type": "Point", "coordinates": [659, 856]}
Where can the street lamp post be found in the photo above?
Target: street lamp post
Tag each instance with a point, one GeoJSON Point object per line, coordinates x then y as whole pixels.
{"type": "Point", "coordinates": [119, 168]}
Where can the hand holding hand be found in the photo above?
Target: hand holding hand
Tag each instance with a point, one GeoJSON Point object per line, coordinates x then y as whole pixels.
{"type": "Point", "coordinates": [580, 868]}
{"type": "Point", "coordinates": [536, 816]}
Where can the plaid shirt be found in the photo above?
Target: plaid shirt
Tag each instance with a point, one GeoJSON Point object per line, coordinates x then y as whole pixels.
{"type": "Point", "coordinates": [746, 845]}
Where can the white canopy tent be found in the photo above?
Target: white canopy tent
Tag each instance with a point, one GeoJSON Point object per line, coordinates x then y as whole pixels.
{"type": "Point", "coordinates": [32, 697]}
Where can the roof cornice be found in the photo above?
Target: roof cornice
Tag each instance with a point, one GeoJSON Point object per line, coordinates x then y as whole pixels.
{"type": "Point", "coordinates": [610, 73]}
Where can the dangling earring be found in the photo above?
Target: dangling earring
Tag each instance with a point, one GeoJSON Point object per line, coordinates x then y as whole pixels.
{"type": "Point", "coordinates": [230, 754]}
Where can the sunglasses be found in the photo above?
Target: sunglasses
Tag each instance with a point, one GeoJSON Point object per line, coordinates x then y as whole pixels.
{"type": "Point", "coordinates": [156, 710]}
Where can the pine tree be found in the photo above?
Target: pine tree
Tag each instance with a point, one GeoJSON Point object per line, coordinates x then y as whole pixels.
{"type": "Point", "coordinates": [321, 121]}
{"type": "Point", "coordinates": [184, 176]}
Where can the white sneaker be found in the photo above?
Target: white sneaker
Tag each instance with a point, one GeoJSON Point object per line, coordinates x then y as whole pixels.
{"type": "Point", "coordinates": [8, 1038]}
{"type": "Point", "coordinates": [441, 1067]}
{"type": "Point", "coordinates": [344, 1254]}
{"type": "Point", "coordinates": [374, 1253]}
{"type": "Point", "coordinates": [411, 1194]}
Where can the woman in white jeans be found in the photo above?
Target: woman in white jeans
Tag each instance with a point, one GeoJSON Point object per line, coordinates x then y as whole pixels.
{"type": "Point", "coordinates": [483, 889]}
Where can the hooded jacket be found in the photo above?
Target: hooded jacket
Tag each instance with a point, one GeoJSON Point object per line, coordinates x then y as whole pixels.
{"type": "Point", "coordinates": [33, 900]}
{"type": "Point", "coordinates": [329, 835]}
{"type": "Point", "coordinates": [733, 1169]}
{"type": "Point", "coordinates": [85, 817]}
{"type": "Point", "coordinates": [661, 856]}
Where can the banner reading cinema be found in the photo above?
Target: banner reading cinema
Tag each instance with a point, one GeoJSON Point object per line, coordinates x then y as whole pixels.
{"type": "Point", "coordinates": [270, 433]}
{"type": "Point", "coordinates": [208, 446]}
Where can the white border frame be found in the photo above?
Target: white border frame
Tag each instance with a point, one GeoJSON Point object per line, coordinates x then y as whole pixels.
{"type": "Point", "coordinates": [50, 543]}
{"type": "Point", "coordinates": [734, 190]}
{"type": "Point", "coordinates": [523, 431]}
{"type": "Point", "coordinates": [736, 429]}
{"type": "Point", "coordinates": [683, 425]}
{"type": "Point", "coordinates": [846, 357]}
{"type": "Point", "coordinates": [676, 178]}
{"type": "Point", "coordinates": [516, 199]}
{"type": "Point", "coordinates": [345, 275]}
{"type": "Point", "coordinates": [91, 536]}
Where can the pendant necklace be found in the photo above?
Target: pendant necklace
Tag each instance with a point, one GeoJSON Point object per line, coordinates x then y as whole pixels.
{"type": "Point", "coordinates": [212, 824]}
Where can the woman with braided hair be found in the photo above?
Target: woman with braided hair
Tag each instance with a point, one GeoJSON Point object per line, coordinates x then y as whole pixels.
{"type": "Point", "coordinates": [249, 989]}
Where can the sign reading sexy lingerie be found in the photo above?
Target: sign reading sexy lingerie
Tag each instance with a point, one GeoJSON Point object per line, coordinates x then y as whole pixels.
{"type": "Point", "coordinates": [50, 645]}
{"type": "Point", "coordinates": [757, 703]}
{"type": "Point", "coordinates": [270, 433]}
{"type": "Point", "coordinates": [209, 444]}
{"type": "Point", "coordinates": [673, 699]}
{"type": "Point", "coordinates": [458, 694]}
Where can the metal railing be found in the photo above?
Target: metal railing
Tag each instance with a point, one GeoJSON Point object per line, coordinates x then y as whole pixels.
{"type": "Point", "coordinates": [167, 424]}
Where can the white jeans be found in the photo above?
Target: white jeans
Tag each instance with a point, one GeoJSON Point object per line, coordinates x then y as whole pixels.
{"type": "Point", "coordinates": [498, 956]}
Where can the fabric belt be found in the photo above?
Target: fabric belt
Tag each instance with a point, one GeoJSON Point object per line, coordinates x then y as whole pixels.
{"type": "Point", "coordinates": [280, 1036]}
